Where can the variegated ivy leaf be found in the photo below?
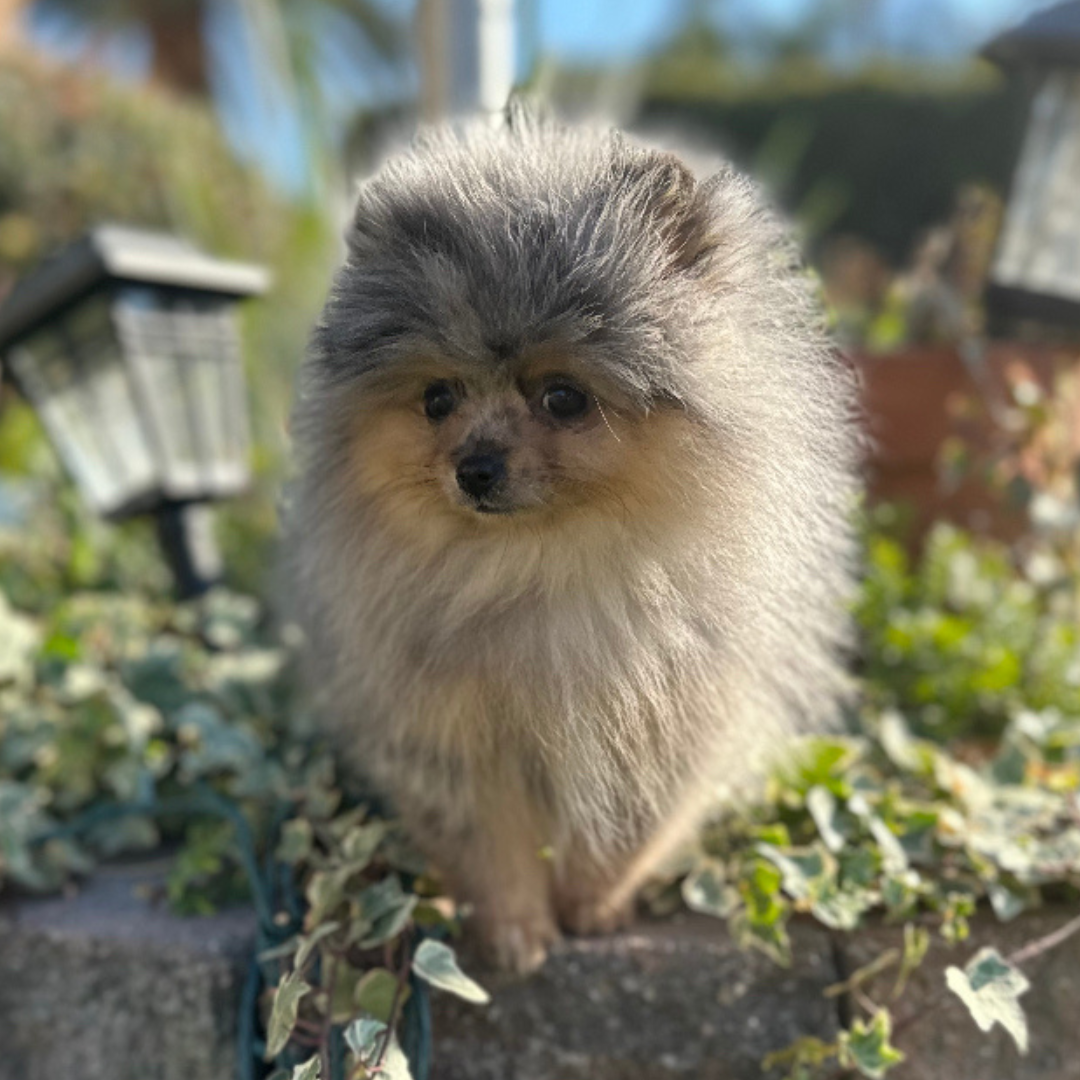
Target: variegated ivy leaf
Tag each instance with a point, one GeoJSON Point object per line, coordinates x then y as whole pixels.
{"type": "Point", "coordinates": [436, 963]}
{"type": "Point", "coordinates": [309, 942]}
{"type": "Point", "coordinates": [284, 1012]}
{"type": "Point", "coordinates": [364, 1037]}
{"type": "Point", "coordinates": [866, 1047]}
{"type": "Point", "coordinates": [991, 988]}
{"type": "Point", "coordinates": [296, 841]}
{"type": "Point", "coordinates": [821, 804]}
{"type": "Point", "coordinates": [308, 1071]}
{"type": "Point", "coordinates": [385, 909]}
{"type": "Point", "coordinates": [705, 890]}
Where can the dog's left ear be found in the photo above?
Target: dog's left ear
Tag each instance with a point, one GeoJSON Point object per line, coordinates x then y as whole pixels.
{"type": "Point", "coordinates": [521, 114]}
{"type": "Point", "coordinates": [678, 206]}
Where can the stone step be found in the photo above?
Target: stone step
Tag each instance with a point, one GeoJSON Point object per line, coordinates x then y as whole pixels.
{"type": "Point", "coordinates": [106, 984]}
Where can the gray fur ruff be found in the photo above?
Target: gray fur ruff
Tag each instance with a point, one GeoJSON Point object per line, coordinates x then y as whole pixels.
{"type": "Point", "coordinates": [645, 665]}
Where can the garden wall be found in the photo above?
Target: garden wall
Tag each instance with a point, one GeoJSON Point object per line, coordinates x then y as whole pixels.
{"type": "Point", "coordinates": [107, 985]}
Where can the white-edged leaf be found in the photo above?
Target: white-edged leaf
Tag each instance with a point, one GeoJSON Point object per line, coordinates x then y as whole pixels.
{"type": "Point", "coordinates": [284, 1012]}
{"type": "Point", "coordinates": [308, 1071]}
{"type": "Point", "coordinates": [395, 1066]}
{"type": "Point", "coordinates": [821, 803]}
{"type": "Point", "coordinates": [309, 942]}
{"type": "Point", "coordinates": [991, 987]}
{"type": "Point", "coordinates": [437, 964]}
{"type": "Point", "coordinates": [866, 1046]}
{"type": "Point", "coordinates": [364, 1037]}
{"type": "Point", "coordinates": [705, 890]}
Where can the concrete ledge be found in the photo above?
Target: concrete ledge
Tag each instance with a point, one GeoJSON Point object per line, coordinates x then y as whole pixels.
{"type": "Point", "coordinates": [107, 985]}
{"type": "Point", "coordinates": [669, 999]}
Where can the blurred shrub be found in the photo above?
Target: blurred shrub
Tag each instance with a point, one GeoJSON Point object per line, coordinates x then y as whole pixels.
{"type": "Point", "coordinates": [962, 639]}
{"type": "Point", "coordinates": [974, 631]}
{"type": "Point", "coordinates": [76, 148]}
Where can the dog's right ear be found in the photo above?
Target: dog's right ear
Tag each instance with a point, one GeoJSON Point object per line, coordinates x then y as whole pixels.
{"type": "Point", "coordinates": [362, 232]}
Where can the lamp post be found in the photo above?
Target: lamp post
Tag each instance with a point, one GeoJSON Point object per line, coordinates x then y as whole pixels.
{"type": "Point", "coordinates": [126, 345]}
{"type": "Point", "coordinates": [1036, 269]}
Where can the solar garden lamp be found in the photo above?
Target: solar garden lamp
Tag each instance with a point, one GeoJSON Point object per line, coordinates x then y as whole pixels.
{"type": "Point", "coordinates": [126, 344]}
{"type": "Point", "coordinates": [1036, 270]}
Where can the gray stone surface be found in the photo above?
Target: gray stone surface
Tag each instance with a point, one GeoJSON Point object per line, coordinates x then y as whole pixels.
{"type": "Point", "coordinates": [944, 1043]}
{"type": "Point", "coordinates": [666, 1000]}
{"type": "Point", "coordinates": [107, 985]}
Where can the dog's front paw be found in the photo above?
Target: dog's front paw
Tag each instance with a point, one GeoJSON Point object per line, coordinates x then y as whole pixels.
{"type": "Point", "coordinates": [583, 915]}
{"type": "Point", "coordinates": [518, 946]}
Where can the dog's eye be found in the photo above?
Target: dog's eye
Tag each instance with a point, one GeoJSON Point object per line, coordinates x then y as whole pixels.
{"type": "Point", "coordinates": [439, 401]}
{"type": "Point", "coordinates": [564, 401]}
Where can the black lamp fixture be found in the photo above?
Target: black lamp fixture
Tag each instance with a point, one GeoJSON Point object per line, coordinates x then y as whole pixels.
{"type": "Point", "coordinates": [127, 346]}
{"type": "Point", "coordinates": [1036, 270]}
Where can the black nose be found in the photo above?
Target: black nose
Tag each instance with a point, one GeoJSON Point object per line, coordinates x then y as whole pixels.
{"type": "Point", "coordinates": [479, 474]}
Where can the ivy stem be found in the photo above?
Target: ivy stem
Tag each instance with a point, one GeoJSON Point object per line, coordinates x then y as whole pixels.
{"type": "Point", "coordinates": [328, 1019]}
{"type": "Point", "coordinates": [1044, 944]}
{"type": "Point", "coordinates": [395, 1004]}
{"type": "Point", "coordinates": [1029, 952]}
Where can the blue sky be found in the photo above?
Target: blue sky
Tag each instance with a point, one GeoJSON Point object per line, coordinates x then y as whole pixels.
{"type": "Point", "coordinates": [581, 30]}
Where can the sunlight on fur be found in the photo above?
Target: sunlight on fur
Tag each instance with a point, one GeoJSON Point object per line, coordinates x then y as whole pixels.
{"type": "Point", "coordinates": [571, 538]}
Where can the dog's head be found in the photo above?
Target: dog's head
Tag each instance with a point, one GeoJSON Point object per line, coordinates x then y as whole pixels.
{"type": "Point", "coordinates": [510, 336]}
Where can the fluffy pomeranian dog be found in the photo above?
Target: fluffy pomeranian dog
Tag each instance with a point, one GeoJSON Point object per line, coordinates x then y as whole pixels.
{"type": "Point", "coordinates": [571, 529]}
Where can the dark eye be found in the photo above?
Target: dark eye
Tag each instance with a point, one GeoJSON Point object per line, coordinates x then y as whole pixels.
{"type": "Point", "coordinates": [564, 401]}
{"type": "Point", "coordinates": [439, 401]}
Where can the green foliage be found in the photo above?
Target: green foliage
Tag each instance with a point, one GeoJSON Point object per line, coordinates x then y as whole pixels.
{"type": "Point", "coordinates": [127, 720]}
{"type": "Point", "coordinates": [963, 640]}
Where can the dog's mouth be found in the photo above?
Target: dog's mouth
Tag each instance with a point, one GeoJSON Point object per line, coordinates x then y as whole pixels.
{"type": "Point", "coordinates": [487, 506]}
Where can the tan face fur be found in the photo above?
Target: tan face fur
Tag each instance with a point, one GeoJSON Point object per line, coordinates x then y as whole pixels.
{"type": "Point", "coordinates": [608, 459]}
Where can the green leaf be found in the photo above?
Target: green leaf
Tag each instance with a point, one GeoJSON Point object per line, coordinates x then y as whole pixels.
{"type": "Point", "coordinates": [283, 1014]}
{"type": "Point", "coordinates": [375, 992]}
{"type": "Point", "coordinates": [394, 1066]}
{"type": "Point", "coordinates": [916, 946]}
{"type": "Point", "coordinates": [802, 1059]}
{"type": "Point", "coordinates": [385, 909]}
{"type": "Point", "coordinates": [991, 988]}
{"type": "Point", "coordinates": [296, 841]}
{"type": "Point", "coordinates": [364, 1037]}
{"type": "Point", "coordinates": [308, 1071]}
{"type": "Point", "coordinates": [866, 1047]}
{"type": "Point", "coordinates": [360, 844]}
{"type": "Point", "coordinates": [821, 803]}
{"type": "Point", "coordinates": [436, 963]}
{"type": "Point", "coordinates": [309, 942]}
{"type": "Point", "coordinates": [343, 993]}
{"type": "Point", "coordinates": [325, 893]}
{"type": "Point", "coordinates": [705, 890]}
